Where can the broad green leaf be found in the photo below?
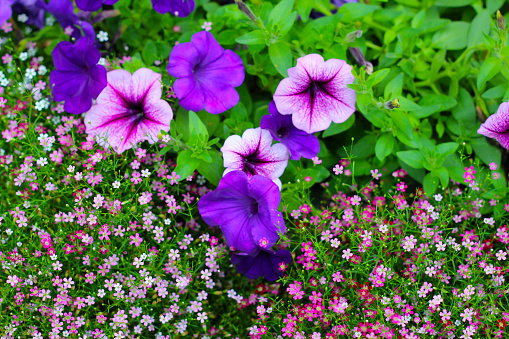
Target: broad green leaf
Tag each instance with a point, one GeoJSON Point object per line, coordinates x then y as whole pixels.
{"type": "Point", "coordinates": [354, 11]}
{"type": "Point", "coordinates": [384, 146]}
{"type": "Point", "coordinates": [447, 148]}
{"type": "Point", "coordinates": [478, 26]}
{"type": "Point", "coordinates": [196, 127]}
{"type": "Point", "coordinates": [394, 87]}
{"type": "Point", "coordinates": [252, 38]}
{"type": "Point", "coordinates": [281, 12]}
{"type": "Point", "coordinates": [213, 171]}
{"type": "Point", "coordinates": [496, 92]}
{"type": "Point", "coordinates": [412, 158]}
{"type": "Point", "coordinates": [186, 164]}
{"type": "Point", "coordinates": [304, 8]}
{"type": "Point", "coordinates": [338, 128]}
{"type": "Point", "coordinates": [149, 53]}
{"type": "Point", "coordinates": [493, 5]}
{"type": "Point", "coordinates": [486, 152]}
{"type": "Point", "coordinates": [442, 174]}
{"type": "Point", "coordinates": [377, 77]}
{"type": "Point", "coordinates": [453, 3]}
{"type": "Point", "coordinates": [452, 37]}
{"type": "Point", "coordinates": [465, 110]}
{"type": "Point", "coordinates": [430, 184]}
{"type": "Point", "coordinates": [281, 56]}
{"type": "Point", "coordinates": [489, 68]}
{"type": "Point", "coordinates": [404, 125]}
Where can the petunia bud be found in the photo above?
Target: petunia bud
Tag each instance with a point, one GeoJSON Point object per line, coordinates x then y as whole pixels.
{"type": "Point", "coordinates": [500, 21]}
{"type": "Point", "coordinates": [246, 10]}
{"type": "Point", "coordinates": [392, 104]}
{"type": "Point", "coordinates": [350, 37]}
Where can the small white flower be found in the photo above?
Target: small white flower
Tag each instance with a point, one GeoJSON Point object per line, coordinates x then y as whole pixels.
{"type": "Point", "coordinates": [50, 21]}
{"type": "Point", "coordinates": [23, 56]}
{"type": "Point", "coordinates": [71, 168]}
{"type": "Point", "coordinates": [22, 18]}
{"type": "Point", "coordinates": [102, 61]}
{"type": "Point", "coordinates": [116, 184]}
{"type": "Point", "coordinates": [43, 70]}
{"type": "Point", "coordinates": [102, 36]}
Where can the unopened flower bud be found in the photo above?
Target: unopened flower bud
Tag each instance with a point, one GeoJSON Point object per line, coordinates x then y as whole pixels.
{"type": "Point", "coordinates": [246, 10]}
{"type": "Point", "coordinates": [392, 104]}
{"type": "Point", "coordinates": [350, 37]}
{"type": "Point", "coordinates": [500, 21]}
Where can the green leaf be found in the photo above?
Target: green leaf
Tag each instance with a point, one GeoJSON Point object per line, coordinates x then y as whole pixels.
{"type": "Point", "coordinates": [394, 87]}
{"type": "Point", "coordinates": [281, 56]}
{"type": "Point", "coordinates": [452, 37]}
{"type": "Point", "coordinates": [404, 125]}
{"type": "Point", "coordinates": [412, 158]}
{"type": "Point", "coordinates": [196, 127]}
{"type": "Point", "coordinates": [186, 164]}
{"type": "Point", "coordinates": [489, 68]}
{"type": "Point", "coordinates": [453, 3]}
{"type": "Point", "coordinates": [377, 77]}
{"type": "Point", "coordinates": [353, 11]}
{"type": "Point", "coordinates": [496, 92]}
{"type": "Point", "coordinates": [442, 174]}
{"type": "Point", "coordinates": [213, 171]}
{"type": "Point", "coordinates": [384, 146]}
{"type": "Point", "coordinates": [493, 5]}
{"type": "Point", "coordinates": [430, 184]}
{"type": "Point", "coordinates": [281, 12]}
{"type": "Point", "coordinates": [478, 26]}
{"type": "Point", "coordinates": [339, 128]}
{"type": "Point", "coordinates": [149, 53]}
{"type": "Point", "coordinates": [252, 38]}
{"type": "Point", "coordinates": [165, 150]}
{"type": "Point", "coordinates": [205, 156]}
{"type": "Point", "coordinates": [182, 122]}
{"type": "Point", "coordinates": [447, 148]}
{"type": "Point", "coordinates": [486, 152]}
{"type": "Point", "coordinates": [304, 8]}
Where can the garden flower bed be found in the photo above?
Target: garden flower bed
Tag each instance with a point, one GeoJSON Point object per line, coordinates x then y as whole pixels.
{"type": "Point", "coordinates": [254, 169]}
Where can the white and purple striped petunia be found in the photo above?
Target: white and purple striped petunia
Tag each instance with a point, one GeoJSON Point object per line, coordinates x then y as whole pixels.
{"type": "Point", "coordinates": [497, 126]}
{"type": "Point", "coordinates": [254, 155]}
{"type": "Point", "coordinates": [316, 94]}
{"type": "Point", "coordinates": [129, 110]}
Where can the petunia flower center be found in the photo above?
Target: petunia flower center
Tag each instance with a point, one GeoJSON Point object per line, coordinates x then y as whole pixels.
{"type": "Point", "coordinates": [282, 132]}
{"type": "Point", "coordinates": [253, 207]}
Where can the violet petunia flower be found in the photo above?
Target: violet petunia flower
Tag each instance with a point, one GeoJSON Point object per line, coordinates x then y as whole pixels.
{"type": "Point", "coordinates": [298, 142]}
{"type": "Point", "coordinates": [339, 3]}
{"type": "Point", "coordinates": [63, 11]}
{"type": "Point", "coordinates": [266, 263]}
{"type": "Point", "coordinates": [497, 126]}
{"type": "Point", "coordinates": [316, 93]}
{"type": "Point", "coordinates": [5, 10]}
{"type": "Point", "coordinates": [245, 208]}
{"type": "Point", "coordinates": [77, 78]}
{"type": "Point", "coordinates": [32, 10]}
{"type": "Point", "coordinates": [129, 110]}
{"type": "Point", "coordinates": [254, 155]}
{"type": "Point", "coordinates": [93, 5]}
{"type": "Point", "coordinates": [180, 8]}
{"type": "Point", "coordinates": [207, 74]}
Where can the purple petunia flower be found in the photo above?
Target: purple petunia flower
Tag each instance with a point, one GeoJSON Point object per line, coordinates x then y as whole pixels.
{"type": "Point", "coordinates": [93, 5]}
{"type": "Point", "coordinates": [265, 263]}
{"type": "Point", "coordinates": [180, 8]}
{"type": "Point", "coordinates": [129, 110]}
{"type": "Point", "coordinates": [254, 155]}
{"type": "Point", "coordinates": [339, 3]}
{"type": "Point", "coordinates": [497, 125]}
{"type": "Point", "coordinates": [207, 74]}
{"type": "Point", "coordinates": [5, 10]}
{"type": "Point", "coordinates": [63, 11]}
{"type": "Point", "coordinates": [245, 208]}
{"type": "Point", "coordinates": [32, 10]}
{"type": "Point", "coordinates": [316, 94]}
{"type": "Point", "coordinates": [298, 142]}
{"type": "Point", "coordinates": [77, 78]}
